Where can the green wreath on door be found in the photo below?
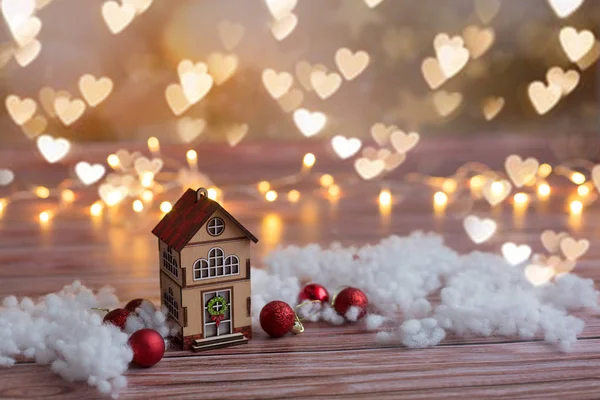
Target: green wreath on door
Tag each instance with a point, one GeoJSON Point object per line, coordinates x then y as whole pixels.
{"type": "Point", "coordinates": [217, 314]}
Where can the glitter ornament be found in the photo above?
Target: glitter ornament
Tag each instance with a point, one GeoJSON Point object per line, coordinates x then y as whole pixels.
{"type": "Point", "coordinates": [117, 317]}
{"type": "Point", "coordinates": [148, 347]}
{"type": "Point", "coordinates": [313, 292]}
{"type": "Point", "coordinates": [351, 297]}
{"type": "Point", "coordinates": [277, 318]}
{"type": "Point", "coordinates": [135, 304]}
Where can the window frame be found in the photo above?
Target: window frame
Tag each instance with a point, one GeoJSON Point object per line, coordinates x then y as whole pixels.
{"type": "Point", "coordinates": [171, 303]}
{"type": "Point", "coordinates": [215, 265]}
{"type": "Point", "coordinates": [218, 226]}
{"type": "Point", "coordinates": [231, 265]}
{"type": "Point", "coordinates": [169, 262]}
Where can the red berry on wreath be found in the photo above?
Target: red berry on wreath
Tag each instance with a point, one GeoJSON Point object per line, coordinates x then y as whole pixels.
{"type": "Point", "coordinates": [148, 347]}
{"type": "Point", "coordinates": [351, 297]}
{"type": "Point", "coordinates": [277, 318]}
{"type": "Point", "coordinates": [136, 303]}
{"type": "Point", "coordinates": [117, 317]}
{"type": "Point", "coordinates": [313, 292]}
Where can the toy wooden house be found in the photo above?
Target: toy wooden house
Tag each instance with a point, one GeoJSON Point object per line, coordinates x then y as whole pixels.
{"type": "Point", "coordinates": [205, 272]}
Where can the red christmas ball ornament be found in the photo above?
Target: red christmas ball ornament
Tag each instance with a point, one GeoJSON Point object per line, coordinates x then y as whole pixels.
{"type": "Point", "coordinates": [313, 292]}
{"type": "Point", "coordinates": [277, 318]}
{"type": "Point", "coordinates": [351, 297]}
{"type": "Point", "coordinates": [135, 304]}
{"type": "Point", "coordinates": [148, 347]}
{"type": "Point", "coordinates": [117, 317]}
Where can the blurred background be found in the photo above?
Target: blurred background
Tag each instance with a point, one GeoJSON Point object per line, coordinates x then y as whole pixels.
{"type": "Point", "coordinates": [511, 44]}
{"type": "Point", "coordinates": [310, 120]}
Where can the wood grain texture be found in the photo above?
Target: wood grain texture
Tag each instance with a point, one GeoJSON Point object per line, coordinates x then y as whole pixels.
{"type": "Point", "coordinates": [326, 361]}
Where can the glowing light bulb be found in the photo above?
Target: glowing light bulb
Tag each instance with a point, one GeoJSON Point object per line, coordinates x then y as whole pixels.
{"type": "Point", "coordinates": [440, 199]}
{"type": "Point", "coordinates": [191, 155]}
{"type": "Point", "coordinates": [544, 170]}
{"type": "Point", "coordinates": [477, 182]}
{"type": "Point", "coordinates": [264, 187]}
{"type": "Point", "coordinates": [309, 160]}
{"type": "Point", "coordinates": [165, 207]}
{"type": "Point", "coordinates": [192, 159]}
{"type": "Point", "coordinates": [271, 195]}
{"type": "Point", "coordinates": [44, 216]}
{"type": "Point", "coordinates": [147, 196]}
{"type": "Point", "coordinates": [213, 193]}
{"type": "Point", "coordinates": [96, 208]}
{"type": "Point", "coordinates": [42, 192]}
{"type": "Point", "coordinates": [449, 185]}
{"type": "Point", "coordinates": [153, 144]}
{"type": "Point", "coordinates": [543, 190]}
{"type": "Point", "coordinates": [67, 196]}
{"type": "Point", "coordinates": [3, 204]}
{"type": "Point", "coordinates": [521, 198]}
{"type": "Point", "coordinates": [271, 228]}
{"type": "Point", "coordinates": [583, 190]}
{"type": "Point", "coordinates": [385, 197]}
{"type": "Point", "coordinates": [147, 179]}
{"type": "Point", "coordinates": [113, 161]}
{"type": "Point", "coordinates": [326, 180]}
{"type": "Point", "coordinates": [293, 196]}
{"type": "Point", "coordinates": [333, 191]}
{"type": "Point", "coordinates": [577, 178]}
{"type": "Point", "coordinates": [576, 207]}
{"type": "Point", "coordinates": [138, 206]}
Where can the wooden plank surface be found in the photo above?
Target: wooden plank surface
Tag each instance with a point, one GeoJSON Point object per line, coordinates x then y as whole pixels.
{"type": "Point", "coordinates": [326, 361]}
{"type": "Point", "coordinates": [502, 370]}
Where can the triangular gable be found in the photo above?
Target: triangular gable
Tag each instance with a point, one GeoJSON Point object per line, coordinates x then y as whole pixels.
{"type": "Point", "coordinates": [188, 215]}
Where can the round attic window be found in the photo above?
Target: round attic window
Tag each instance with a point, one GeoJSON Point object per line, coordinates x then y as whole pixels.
{"type": "Point", "coordinates": [215, 226]}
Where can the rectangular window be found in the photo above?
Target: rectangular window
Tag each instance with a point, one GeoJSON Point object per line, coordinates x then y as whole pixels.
{"type": "Point", "coordinates": [171, 303]}
{"type": "Point", "coordinates": [249, 305]}
{"type": "Point", "coordinates": [170, 262]}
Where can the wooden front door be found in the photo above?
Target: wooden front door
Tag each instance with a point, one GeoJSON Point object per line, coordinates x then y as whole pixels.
{"type": "Point", "coordinates": [211, 327]}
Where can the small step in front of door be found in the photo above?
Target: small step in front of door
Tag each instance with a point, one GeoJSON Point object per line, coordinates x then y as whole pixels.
{"type": "Point", "coordinates": [217, 342]}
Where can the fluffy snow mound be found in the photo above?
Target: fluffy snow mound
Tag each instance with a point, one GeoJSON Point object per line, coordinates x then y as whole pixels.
{"type": "Point", "coordinates": [481, 294]}
{"type": "Point", "coordinates": [63, 330]}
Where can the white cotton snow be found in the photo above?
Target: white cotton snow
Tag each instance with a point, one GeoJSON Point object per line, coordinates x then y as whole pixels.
{"type": "Point", "coordinates": [147, 316]}
{"type": "Point", "coordinates": [62, 330]}
{"type": "Point", "coordinates": [352, 314]}
{"type": "Point", "coordinates": [481, 294]}
{"type": "Point", "coordinates": [330, 315]}
{"type": "Point", "coordinates": [486, 298]}
{"type": "Point", "coordinates": [421, 333]}
{"type": "Point", "coordinates": [374, 321]}
{"type": "Point", "coordinates": [267, 287]}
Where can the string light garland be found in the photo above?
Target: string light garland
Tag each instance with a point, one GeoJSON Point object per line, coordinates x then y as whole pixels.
{"type": "Point", "coordinates": [144, 181]}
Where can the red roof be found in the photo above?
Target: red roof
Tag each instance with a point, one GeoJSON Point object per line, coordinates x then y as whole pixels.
{"type": "Point", "coordinates": [188, 215]}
